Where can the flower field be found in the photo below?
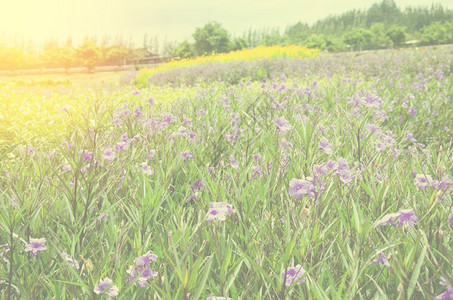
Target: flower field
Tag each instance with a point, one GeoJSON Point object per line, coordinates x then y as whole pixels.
{"type": "Point", "coordinates": [205, 63]}
{"type": "Point", "coordinates": [325, 177]}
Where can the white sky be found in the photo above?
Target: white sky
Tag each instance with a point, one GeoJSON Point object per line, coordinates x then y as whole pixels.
{"type": "Point", "coordinates": [173, 20]}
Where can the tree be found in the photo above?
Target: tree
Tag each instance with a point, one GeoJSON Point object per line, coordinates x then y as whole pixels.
{"type": "Point", "coordinates": [64, 57]}
{"type": "Point", "coordinates": [239, 44]}
{"type": "Point", "coordinates": [273, 38]}
{"type": "Point", "coordinates": [211, 38]}
{"type": "Point", "coordinates": [117, 55]}
{"type": "Point", "coordinates": [435, 33]}
{"type": "Point", "coordinates": [334, 43]}
{"type": "Point", "coordinates": [67, 58]}
{"type": "Point", "coordinates": [297, 33]}
{"type": "Point", "coordinates": [316, 41]}
{"type": "Point", "coordinates": [12, 58]}
{"type": "Point", "coordinates": [357, 38]}
{"type": "Point", "coordinates": [380, 38]}
{"type": "Point", "coordinates": [184, 50]}
{"type": "Point", "coordinates": [90, 54]}
{"type": "Point", "coordinates": [384, 12]}
{"type": "Point", "coordinates": [397, 34]}
{"type": "Point", "coordinates": [168, 47]}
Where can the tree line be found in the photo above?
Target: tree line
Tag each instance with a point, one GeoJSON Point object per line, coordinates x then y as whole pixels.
{"type": "Point", "coordinates": [383, 25]}
{"type": "Point", "coordinates": [89, 54]}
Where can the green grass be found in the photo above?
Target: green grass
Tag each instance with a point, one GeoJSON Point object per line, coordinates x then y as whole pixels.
{"type": "Point", "coordinates": [111, 213]}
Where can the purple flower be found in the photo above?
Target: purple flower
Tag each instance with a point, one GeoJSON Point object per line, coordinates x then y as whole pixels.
{"type": "Point", "coordinates": [403, 216]}
{"type": "Point", "coordinates": [30, 150]}
{"type": "Point", "coordinates": [187, 122]}
{"type": "Point", "coordinates": [412, 111]}
{"type": "Point", "coordinates": [169, 118]}
{"type": "Point", "coordinates": [234, 163]}
{"type": "Point", "coordinates": [36, 245]}
{"type": "Point", "coordinates": [407, 216]}
{"type": "Point", "coordinates": [325, 145]}
{"type": "Point", "coordinates": [382, 259]}
{"type": "Point", "coordinates": [66, 167]}
{"type": "Point", "coordinates": [373, 128]}
{"type": "Point", "coordinates": [448, 294]}
{"type": "Point", "coordinates": [151, 154]}
{"type": "Point", "coordinates": [299, 187]}
{"type": "Point", "coordinates": [109, 154]}
{"type": "Point", "coordinates": [71, 261]}
{"type": "Point", "coordinates": [234, 119]}
{"type": "Point", "coordinates": [106, 285]}
{"type": "Point", "coordinates": [378, 177]}
{"type": "Point", "coordinates": [257, 172]}
{"type": "Point", "coordinates": [192, 197]}
{"type": "Point", "coordinates": [151, 101]}
{"type": "Point", "coordinates": [140, 271]}
{"type": "Point", "coordinates": [219, 211]}
{"type": "Point", "coordinates": [145, 259]}
{"type": "Point", "coordinates": [186, 154]}
{"type": "Point", "coordinates": [450, 218]}
{"type": "Point", "coordinates": [285, 145]}
{"type": "Point", "coordinates": [137, 113]}
{"type": "Point", "coordinates": [146, 169]}
{"type": "Point", "coordinates": [293, 275]}
{"type": "Point", "coordinates": [86, 155]}
{"type": "Point", "coordinates": [422, 181]}
{"type": "Point", "coordinates": [372, 100]}
{"type": "Point", "coordinates": [283, 125]}
{"type": "Point", "coordinates": [140, 274]}
{"type": "Point", "coordinates": [197, 186]}
{"type": "Point", "coordinates": [320, 169]}
{"type": "Point", "coordinates": [122, 145]}
{"type": "Point", "coordinates": [256, 157]}
{"type": "Point", "coordinates": [331, 164]}
{"type": "Point", "coordinates": [445, 184]}
{"type": "Point", "coordinates": [410, 137]}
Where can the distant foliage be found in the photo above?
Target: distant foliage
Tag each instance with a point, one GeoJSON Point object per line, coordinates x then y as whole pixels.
{"type": "Point", "coordinates": [383, 25]}
{"type": "Point", "coordinates": [385, 20]}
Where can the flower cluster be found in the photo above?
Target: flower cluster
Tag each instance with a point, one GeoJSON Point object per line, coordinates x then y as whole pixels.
{"type": "Point", "coordinates": [140, 272]}
{"type": "Point", "coordinates": [313, 186]}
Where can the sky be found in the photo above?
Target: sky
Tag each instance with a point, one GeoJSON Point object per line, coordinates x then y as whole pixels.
{"type": "Point", "coordinates": [170, 20]}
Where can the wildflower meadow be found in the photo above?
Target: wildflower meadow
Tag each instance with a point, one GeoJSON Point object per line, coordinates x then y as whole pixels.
{"type": "Point", "coordinates": [315, 176]}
